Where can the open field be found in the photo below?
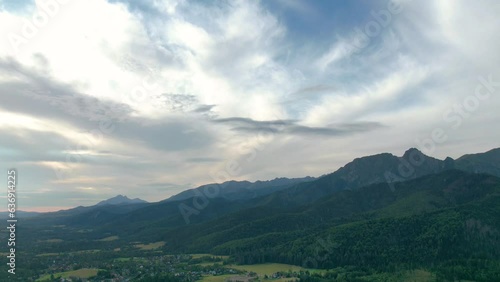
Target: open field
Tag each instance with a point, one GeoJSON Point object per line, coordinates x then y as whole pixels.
{"type": "Point", "coordinates": [419, 276]}
{"type": "Point", "coordinates": [108, 239]}
{"type": "Point", "coordinates": [84, 251]}
{"type": "Point", "coordinates": [267, 268]}
{"type": "Point", "coordinates": [220, 278]}
{"type": "Point", "coordinates": [151, 246]}
{"type": "Point", "coordinates": [47, 254]}
{"type": "Point", "coordinates": [195, 256]}
{"type": "Point", "coordinates": [52, 241]}
{"type": "Point", "coordinates": [207, 263]}
{"type": "Point", "coordinates": [80, 273]}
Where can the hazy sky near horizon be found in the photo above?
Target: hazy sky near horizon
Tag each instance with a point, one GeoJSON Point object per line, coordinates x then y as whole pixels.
{"type": "Point", "coordinates": [149, 98]}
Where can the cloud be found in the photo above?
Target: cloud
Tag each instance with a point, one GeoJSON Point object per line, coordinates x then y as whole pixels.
{"type": "Point", "coordinates": [291, 127]}
{"type": "Point", "coordinates": [314, 90]}
{"type": "Point", "coordinates": [41, 97]}
{"type": "Point", "coordinates": [168, 91]}
{"type": "Point", "coordinates": [30, 145]}
{"type": "Point", "coordinates": [203, 160]}
{"type": "Point", "coordinates": [35, 94]}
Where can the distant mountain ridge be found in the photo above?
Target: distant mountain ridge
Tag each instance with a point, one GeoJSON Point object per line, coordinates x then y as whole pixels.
{"type": "Point", "coordinates": [487, 162]}
{"type": "Point", "coordinates": [20, 214]}
{"type": "Point", "coordinates": [364, 171]}
{"type": "Point", "coordinates": [235, 195]}
{"type": "Point", "coordinates": [240, 190]}
{"type": "Point", "coordinates": [121, 200]}
{"type": "Point", "coordinates": [385, 168]}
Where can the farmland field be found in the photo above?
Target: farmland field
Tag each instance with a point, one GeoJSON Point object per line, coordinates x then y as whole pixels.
{"type": "Point", "coordinates": [80, 273]}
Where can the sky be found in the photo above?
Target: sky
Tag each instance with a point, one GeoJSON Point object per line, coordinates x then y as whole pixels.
{"type": "Point", "coordinates": [150, 98]}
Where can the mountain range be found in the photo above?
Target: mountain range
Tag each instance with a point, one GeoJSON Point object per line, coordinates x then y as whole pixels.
{"type": "Point", "coordinates": [120, 200]}
{"type": "Point", "coordinates": [378, 211]}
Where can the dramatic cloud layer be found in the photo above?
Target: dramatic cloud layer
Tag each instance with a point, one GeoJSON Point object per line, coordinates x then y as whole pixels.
{"type": "Point", "coordinates": [148, 98]}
